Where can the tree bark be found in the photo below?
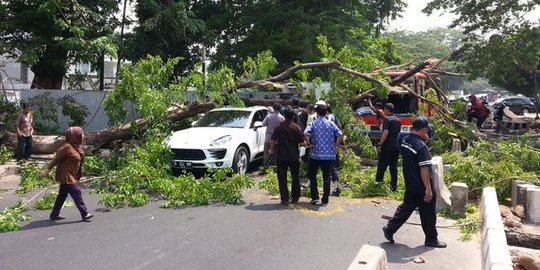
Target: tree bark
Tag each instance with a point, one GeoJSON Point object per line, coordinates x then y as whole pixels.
{"type": "Point", "coordinates": [50, 69]}
{"type": "Point", "coordinates": [522, 239]}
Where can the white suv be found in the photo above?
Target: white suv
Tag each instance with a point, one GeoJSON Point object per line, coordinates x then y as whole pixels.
{"type": "Point", "coordinates": [226, 137]}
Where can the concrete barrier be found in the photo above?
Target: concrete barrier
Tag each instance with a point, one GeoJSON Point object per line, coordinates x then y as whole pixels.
{"type": "Point", "coordinates": [441, 190]}
{"type": "Point", "coordinates": [515, 195]}
{"type": "Point", "coordinates": [369, 258]}
{"type": "Point", "coordinates": [533, 205]}
{"type": "Point", "coordinates": [459, 198]}
{"type": "Point", "coordinates": [495, 252]}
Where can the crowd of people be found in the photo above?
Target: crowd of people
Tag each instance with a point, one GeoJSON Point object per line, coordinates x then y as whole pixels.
{"type": "Point", "coordinates": [288, 128]}
{"type": "Point", "coordinates": [322, 135]}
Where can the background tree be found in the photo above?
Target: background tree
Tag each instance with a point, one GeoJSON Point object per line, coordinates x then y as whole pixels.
{"type": "Point", "coordinates": [289, 28]}
{"type": "Point", "coordinates": [502, 45]}
{"type": "Point", "coordinates": [167, 28]}
{"type": "Point", "coordinates": [48, 35]}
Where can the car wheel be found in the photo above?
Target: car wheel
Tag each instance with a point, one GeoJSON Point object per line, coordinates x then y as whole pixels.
{"type": "Point", "coordinates": [240, 161]}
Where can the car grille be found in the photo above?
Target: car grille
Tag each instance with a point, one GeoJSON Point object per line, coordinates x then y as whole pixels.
{"type": "Point", "coordinates": [218, 153]}
{"type": "Point", "coordinates": [189, 154]}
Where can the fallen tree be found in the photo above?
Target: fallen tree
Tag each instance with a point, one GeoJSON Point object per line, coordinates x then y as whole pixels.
{"type": "Point", "coordinates": [98, 139]}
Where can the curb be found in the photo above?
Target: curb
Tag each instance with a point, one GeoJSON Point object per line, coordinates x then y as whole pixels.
{"type": "Point", "coordinates": [369, 258]}
{"type": "Point", "coordinates": [495, 251]}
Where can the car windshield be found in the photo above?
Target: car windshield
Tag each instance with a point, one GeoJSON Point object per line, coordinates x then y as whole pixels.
{"type": "Point", "coordinates": [228, 119]}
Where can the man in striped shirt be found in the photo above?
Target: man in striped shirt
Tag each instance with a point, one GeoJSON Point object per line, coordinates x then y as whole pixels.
{"type": "Point", "coordinates": [418, 186]}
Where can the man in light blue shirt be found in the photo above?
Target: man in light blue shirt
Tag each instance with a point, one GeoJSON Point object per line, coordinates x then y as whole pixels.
{"type": "Point", "coordinates": [322, 137]}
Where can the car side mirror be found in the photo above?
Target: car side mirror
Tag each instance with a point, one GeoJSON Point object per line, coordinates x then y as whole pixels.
{"type": "Point", "coordinates": [257, 124]}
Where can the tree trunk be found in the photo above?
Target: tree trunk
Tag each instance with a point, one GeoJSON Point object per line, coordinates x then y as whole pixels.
{"type": "Point", "coordinates": [50, 69]}
{"type": "Point", "coordinates": [96, 140]}
{"type": "Point", "coordinates": [522, 239]}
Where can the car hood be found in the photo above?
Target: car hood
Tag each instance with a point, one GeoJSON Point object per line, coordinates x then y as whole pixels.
{"type": "Point", "coordinates": [201, 137]}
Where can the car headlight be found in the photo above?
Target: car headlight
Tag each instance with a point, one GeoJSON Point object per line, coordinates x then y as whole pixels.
{"type": "Point", "coordinates": [221, 140]}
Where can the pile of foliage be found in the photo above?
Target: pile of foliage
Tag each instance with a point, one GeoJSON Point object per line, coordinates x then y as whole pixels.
{"type": "Point", "coordinates": [141, 170]}
{"type": "Point", "coordinates": [5, 154]}
{"type": "Point", "coordinates": [11, 217]}
{"type": "Point", "coordinates": [497, 163]}
{"type": "Point", "coordinates": [30, 177]}
{"type": "Point", "coordinates": [469, 224]}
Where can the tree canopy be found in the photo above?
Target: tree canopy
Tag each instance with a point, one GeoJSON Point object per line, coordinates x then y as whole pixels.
{"type": "Point", "coordinates": [236, 29]}
{"type": "Point", "coordinates": [47, 34]}
{"type": "Point", "coordinates": [501, 45]}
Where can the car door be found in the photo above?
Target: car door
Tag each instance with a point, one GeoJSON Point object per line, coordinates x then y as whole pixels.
{"type": "Point", "coordinates": [258, 133]}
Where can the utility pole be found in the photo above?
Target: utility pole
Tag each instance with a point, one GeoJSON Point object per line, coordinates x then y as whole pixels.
{"type": "Point", "coordinates": [121, 44]}
{"type": "Point", "coordinates": [536, 71]}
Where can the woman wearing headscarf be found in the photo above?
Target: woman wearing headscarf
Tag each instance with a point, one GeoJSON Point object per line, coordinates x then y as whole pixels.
{"type": "Point", "coordinates": [68, 161]}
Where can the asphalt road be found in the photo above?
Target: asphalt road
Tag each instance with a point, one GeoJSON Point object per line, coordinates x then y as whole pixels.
{"type": "Point", "coordinates": [260, 234]}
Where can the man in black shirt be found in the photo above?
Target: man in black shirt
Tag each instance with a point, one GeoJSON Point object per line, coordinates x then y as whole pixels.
{"type": "Point", "coordinates": [388, 146]}
{"type": "Point", "coordinates": [418, 186]}
{"type": "Point", "coordinates": [285, 140]}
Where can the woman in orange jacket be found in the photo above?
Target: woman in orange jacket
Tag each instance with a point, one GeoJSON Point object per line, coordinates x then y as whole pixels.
{"type": "Point", "coordinates": [68, 161]}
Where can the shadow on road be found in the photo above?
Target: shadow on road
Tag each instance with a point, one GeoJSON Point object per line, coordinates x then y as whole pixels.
{"type": "Point", "coordinates": [47, 223]}
{"type": "Point", "coordinates": [400, 253]}
{"type": "Point", "coordinates": [266, 207]}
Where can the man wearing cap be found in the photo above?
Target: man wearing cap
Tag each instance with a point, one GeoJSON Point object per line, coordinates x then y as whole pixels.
{"type": "Point", "coordinates": [321, 136]}
{"type": "Point", "coordinates": [388, 146]}
{"type": "Point", "coordinates": [418, 186]}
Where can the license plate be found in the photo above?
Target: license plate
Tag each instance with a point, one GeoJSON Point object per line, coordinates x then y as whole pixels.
{"type": "Point", "coordinates": [183, 165]}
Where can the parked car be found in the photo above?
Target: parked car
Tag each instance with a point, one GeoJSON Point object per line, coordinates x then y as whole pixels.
{"type": "Point", "coordinates": [516, 104]}
{"type": "Point", "coordinates": [225, 137]}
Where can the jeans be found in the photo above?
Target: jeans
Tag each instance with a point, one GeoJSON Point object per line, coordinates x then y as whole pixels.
{"type": "Point", "coordinates": [24, 147]}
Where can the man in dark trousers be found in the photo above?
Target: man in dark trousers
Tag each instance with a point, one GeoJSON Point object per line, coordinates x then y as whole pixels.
{"type": "Point", "coordinates": [285, 141]}
{"type": "Point", "coordinates": [418, 186]}
{"type": "Point", "coordinates": [322, 136]}
{"type": "Point", "coordinates": [388, 146]}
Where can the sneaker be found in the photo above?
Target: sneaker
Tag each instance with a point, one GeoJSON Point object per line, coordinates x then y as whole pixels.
{"type": "Point", "coordinates": [87, 217]}
{"type": "Point", "coordinates": [284, 203]}
{"type": "Point", "coordinates": [435, 244]}
{"type": "Point", "coordinates": [324, 202]}
{"type": "Point", "coordinates": [314, 201]}
{"type": "Point", "coordinates": [388, 235]}
{"type": "Point", "coordinates": [336, 192]}
{"type": "Point", "coordinates": [55, 218]}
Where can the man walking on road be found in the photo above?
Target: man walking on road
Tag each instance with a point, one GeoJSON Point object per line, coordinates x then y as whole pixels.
{"type": "Point", "coordinates": [284, 142]}
{"type": "Point", "coordinates": [322, 136]}
{"type": "Point", "coordinates": [418, 186]}
{"type": "Point", "coordinates": [271, 122]}
{"type": "Point", "coordinates": [388, 146]}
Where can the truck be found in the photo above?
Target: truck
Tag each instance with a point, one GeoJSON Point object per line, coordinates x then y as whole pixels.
{"type": "Point", "coordinates": [406, 106]}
